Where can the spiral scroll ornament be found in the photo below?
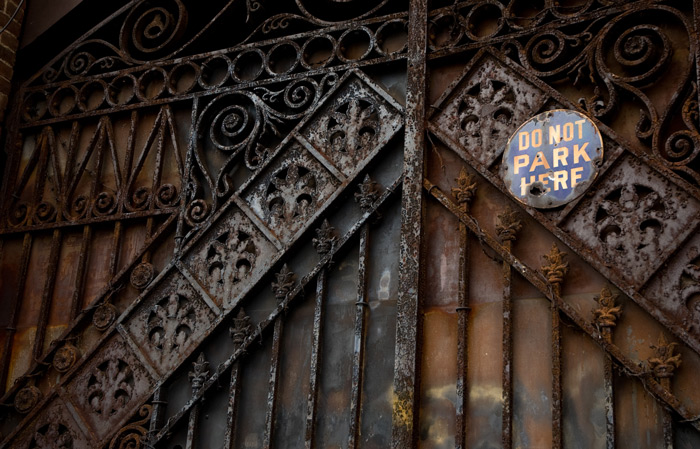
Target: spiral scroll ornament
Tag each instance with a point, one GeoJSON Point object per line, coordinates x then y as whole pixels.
{"type": "Point", "coordinates": [167, 196]}
{"type": "Point", "coordinates": [105, 203]}
{"type": "Point", "coordinates": [78, 207]}
{"type": "Point", "coordinates": [153, 29]}
{"type": "Point", "coordinates": [18, 214]}
{"type": "Point", "coordinates": [197, 212]}
{"type": "Point", "coordinates": [45, 212]}
{"type": "Point", "coordinates": [140, 199]}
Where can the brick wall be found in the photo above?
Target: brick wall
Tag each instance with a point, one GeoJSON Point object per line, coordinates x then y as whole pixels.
{"type": "Point", "coordinates": [9, 41]}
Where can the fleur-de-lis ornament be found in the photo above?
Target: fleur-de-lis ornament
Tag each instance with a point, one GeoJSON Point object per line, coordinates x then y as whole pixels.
{"type": "Point", "coordinates": [608, 312]}
{"type": "Point", "coordinates": [241, 328]}
{"type": "Point", "coordinates": [199, 373]}
{"type": "Point", "coordinates": [663, 363]}
{"type": "Point", "coordinates": [508, 225]}
{"type": "Point", "coordinates": [466, 187]}
{"type": "Point", "coordinates": [556, 267]}
{"type": "Point", "coordinates": [325, 238]}
{"type": "Point", "coordinates": [284, 284]}
{"type": "Point", "coordinates": [368, 194]}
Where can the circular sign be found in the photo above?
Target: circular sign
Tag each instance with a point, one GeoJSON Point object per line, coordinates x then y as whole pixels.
{"type": "Point", "coordinates": [552, 158]}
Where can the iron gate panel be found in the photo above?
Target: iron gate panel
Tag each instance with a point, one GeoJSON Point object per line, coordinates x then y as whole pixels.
{"type": "Point", "coordinates": [246, 225]}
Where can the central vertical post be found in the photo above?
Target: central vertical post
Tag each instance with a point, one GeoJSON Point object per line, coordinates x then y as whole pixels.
{"type": "Point", "coordinates": [404, 418]}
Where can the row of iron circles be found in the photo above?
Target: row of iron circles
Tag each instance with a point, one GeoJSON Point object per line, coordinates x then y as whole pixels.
{"type": "Point", "coordinates": [316, 52]}
{"type": "Point", "coordinates": [483, 21]}
{"type": "Point", "coordinates": [148, 86]}
{"type": "Point", "coordinates": [283, 58]}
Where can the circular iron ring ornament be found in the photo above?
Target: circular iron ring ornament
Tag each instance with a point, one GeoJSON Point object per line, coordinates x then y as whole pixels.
{"type": "Point", "coordinates": [552, 158]}
{"type": "Point", "coordinates": [104, 316]}
{"type": "Point", "coordinates": [27, 398]}
{"type": "Point", "coordinates": [65, 358]}
{"type": "Point", "coordinates": [142, 275]}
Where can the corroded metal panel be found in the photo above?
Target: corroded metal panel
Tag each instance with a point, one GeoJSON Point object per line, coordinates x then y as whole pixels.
{"type": "Point", "coordinates": [234, 252]}
{"type": "Point", "coordinates": [231, 225]}
{"type": "Point", "coordinates": [109, 386]}
{"type": "Point", "coordinates": [170, 322]}
{"type": "Point", "coordinates": [635, 218]}
{"type": "Point", "coordinates": [484, 107]}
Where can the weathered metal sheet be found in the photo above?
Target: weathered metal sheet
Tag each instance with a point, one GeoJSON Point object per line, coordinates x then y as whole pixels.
{"type": "Point", "coordinates": [232, 225]}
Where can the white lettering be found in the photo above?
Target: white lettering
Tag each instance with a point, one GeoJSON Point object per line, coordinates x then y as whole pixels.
{"type": "Point", "coordinates": [575, 176]}
{"type": "Point", "coordinates": [581, 152]}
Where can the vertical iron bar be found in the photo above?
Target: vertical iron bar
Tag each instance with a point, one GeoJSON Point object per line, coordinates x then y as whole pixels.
{"type": "Point", "coordinates": [232, 411]}
{"type": "Point", "coordinates": [609, 393]}
{"type": "Point", "coordinates": [507, 421]}
{"type": "Point", "coordinates": [193, 426]}
{"type": "Point", "coordinates": [667, 418]}
{"type": "Point", "coordinates": [103, 135]}
{"type": "Point", "coordinates": [76, 306]}
{"type": "Point", "coordinates": [407, 357]}
{"type": "Point", "coordinates": [157, 415]}
{"type": "Point", "coordinates": [358, 361]}
{"type": "Point", "coordinates": [47, 295]}
{"type": "Point", "coordinates": [159, 156]}
{"type": "Point", "coordinates": [556, 372]}
{"type": "Point", "coordinates": [186, 175]}
{"type": "Point", "coordinates": [116, 247]}
{"type": "Point", "coordinates": [149, 233]}
{"type": "Point", "coordinates": [128, 161]}
{"type": "Point", "coordinates": [274, 380]}
{"type": "Point", "coordinates": [463, 310]}
{"type": "Point", "coordinates": [14, 312]}
{"type": "Point", "coordinates": [197, 376]}
{"type": "Point", "coordinates": [312, 400]}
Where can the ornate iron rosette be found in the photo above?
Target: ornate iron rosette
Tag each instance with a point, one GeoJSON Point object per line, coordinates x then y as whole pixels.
{"type": "Point", "coordinates": [104, 316]}
{"type": "Point", "coordinates": [65, 358]}
{"type": "Point", "coordinates": [27, 398]}
{"type": "Point", "coordinates": [142, 275]}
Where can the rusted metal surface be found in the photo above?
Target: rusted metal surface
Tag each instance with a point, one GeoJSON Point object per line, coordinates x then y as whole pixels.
{"type": "Point", "coordinates": [606, 317]}
{"type": "Point", "coordinates": [507, 229]}
{"type": "Point", "coordinates": [548, 291]}
{"type": "Point", "coordinates": [554, 271]}
{"type": "Point", "coordinates": [406, 367]}
{"type": "Point", "coordinates": [162, 177]}
{"type": "Point", "coordinates": [464, 194]}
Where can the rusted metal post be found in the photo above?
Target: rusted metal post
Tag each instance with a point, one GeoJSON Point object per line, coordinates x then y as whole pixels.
{"type": "Point", "coordinates": [156, 418]}
{"type": "Point", "coordinates": [240, 330]}
{"type": "Point", "coordinates": [507, 228]}
{"type": "Point", "coordinates": [76, 305]}
{"type": "Point", "coordinates": [14, 312]}
{"type": "Point", "coordinates": [366, 197]}
{"type": "Point", "coordinates": [47, 295]}
{"type": "Point", "coordinates": [281, 288]}
{"type": "Point", "coordinates": [408, 302]}
{"type": "Point", "coordinates": [324, 242]}
{"type": "Point", "coordinates": [116, 246]}
{"type": "Point", "coordinates": [464, 194]}
{"type": "Point", "coordinates": [663, 365]}
{"type": "Point", "coordinates": [197, 376]}
{"type": "Point", "coordinates": [606, 316]}
{"type": "Point", "coordinates": [554, 271]}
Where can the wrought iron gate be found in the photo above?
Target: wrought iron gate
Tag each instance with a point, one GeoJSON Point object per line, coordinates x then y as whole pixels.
{"type": "Point", "coordinates": [247, 224]}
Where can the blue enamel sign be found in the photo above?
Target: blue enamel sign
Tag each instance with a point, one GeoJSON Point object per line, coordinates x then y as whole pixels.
{"type": "Point", "coordinates": [552, 158]}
